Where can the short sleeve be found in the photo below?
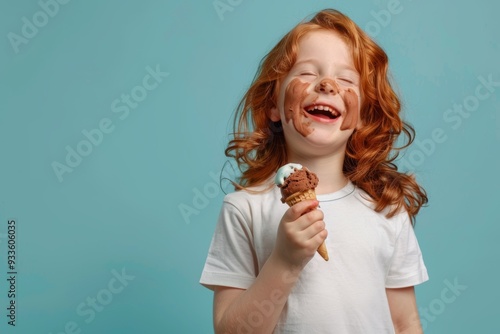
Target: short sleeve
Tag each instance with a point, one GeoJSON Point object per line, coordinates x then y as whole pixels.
{"type": "Point", "coordinates": [231, 259]}
{"type": "Point", "coordinates": [407, 265]}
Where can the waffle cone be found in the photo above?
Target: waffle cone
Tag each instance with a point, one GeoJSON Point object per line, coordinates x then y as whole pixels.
{"type": "Point", "coordinates": [322, 251]}
{"type": "Point", "coordinates": [302, 196]}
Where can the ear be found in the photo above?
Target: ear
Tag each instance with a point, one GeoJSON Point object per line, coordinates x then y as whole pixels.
{"type": "Point", "coordinates": [274, 114]}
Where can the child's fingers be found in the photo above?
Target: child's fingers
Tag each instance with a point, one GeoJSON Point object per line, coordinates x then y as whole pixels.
{"type": "Point", "coordinates": [305, 227]}
{"type": "Point", "coordinates": [307, 219]}
{"type": "Point", "coordinates": [314, 229]}
{"type": "Point", "coordinates": [299, 209]}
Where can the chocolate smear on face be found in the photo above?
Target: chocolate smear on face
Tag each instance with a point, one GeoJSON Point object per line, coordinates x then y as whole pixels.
{"type": "Point", "coordinates": [351, 113]}
{"type": "Point", "coordinates": [295, 96]}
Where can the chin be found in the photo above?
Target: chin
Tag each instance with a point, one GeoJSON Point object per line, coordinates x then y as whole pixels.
{"type": "Point", "coordinates": [325, 142]}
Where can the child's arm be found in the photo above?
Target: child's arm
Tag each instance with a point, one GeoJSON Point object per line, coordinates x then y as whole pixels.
{"type": "Point", "coordinates": [404, 313]}
{"type": "Point", "coordinates": [257, 309]}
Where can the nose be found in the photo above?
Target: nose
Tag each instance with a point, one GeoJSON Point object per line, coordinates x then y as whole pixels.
{"type": "Point", "coordinates": [327, 86]}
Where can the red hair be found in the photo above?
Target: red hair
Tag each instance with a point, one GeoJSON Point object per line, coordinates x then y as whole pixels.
{"type": "Point", "coordinates": [258, 145]}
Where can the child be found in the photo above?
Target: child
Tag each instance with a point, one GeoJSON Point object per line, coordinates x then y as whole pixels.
{"type": "Point", "coordinates": [321, 98]}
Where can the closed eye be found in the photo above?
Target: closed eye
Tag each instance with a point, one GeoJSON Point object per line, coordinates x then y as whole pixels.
{"type": "Point", "coordinates": [349, 81]}
{"type": "Point", "coordinates": [307, 73]}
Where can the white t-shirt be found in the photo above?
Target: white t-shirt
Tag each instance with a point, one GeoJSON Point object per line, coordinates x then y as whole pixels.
{"type": "Point", "coordinates": [368, 253]}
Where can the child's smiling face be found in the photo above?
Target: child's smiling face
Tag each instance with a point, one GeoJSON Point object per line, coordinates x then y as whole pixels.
{"type": "Point", "coordinates": [319, 98]}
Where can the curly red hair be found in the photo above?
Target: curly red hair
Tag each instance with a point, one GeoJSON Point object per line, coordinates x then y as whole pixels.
{"type": "Point", "coordinates": [258, 145]}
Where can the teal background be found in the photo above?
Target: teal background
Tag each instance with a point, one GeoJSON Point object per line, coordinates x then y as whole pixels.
{"type": "Point", "coordinates": [120, 209]}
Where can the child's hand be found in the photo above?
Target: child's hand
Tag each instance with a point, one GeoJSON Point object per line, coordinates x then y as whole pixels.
{"type": "Point", "coordinates": [300, 233]}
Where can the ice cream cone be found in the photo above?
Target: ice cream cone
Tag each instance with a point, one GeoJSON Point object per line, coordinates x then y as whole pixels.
{"type": "Point", "coordinates": [302, 196]}
{"type": "Point", "coordinates": [322, 251]}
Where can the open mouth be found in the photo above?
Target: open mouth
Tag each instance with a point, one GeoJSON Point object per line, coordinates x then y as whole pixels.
{"type": "Point", "coordinates": [323, 112]}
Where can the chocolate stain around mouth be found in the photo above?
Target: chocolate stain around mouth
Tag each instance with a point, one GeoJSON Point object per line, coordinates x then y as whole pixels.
{"type": "Point", "coordinates": [296, 97]}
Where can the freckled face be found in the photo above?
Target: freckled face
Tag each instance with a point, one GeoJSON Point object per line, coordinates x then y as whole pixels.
{"type": "Point", "coordinates": [321, 92]}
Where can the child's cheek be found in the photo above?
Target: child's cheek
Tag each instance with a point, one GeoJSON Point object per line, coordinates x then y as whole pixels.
{"type": "Point", "coordinates": [295, 95]}
{"type": "Point", "coordinates": [351, 104]}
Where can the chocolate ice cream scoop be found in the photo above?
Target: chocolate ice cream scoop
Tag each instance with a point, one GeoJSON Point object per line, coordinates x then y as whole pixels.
{"type": "Point", "coordinates": [293, 178]}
